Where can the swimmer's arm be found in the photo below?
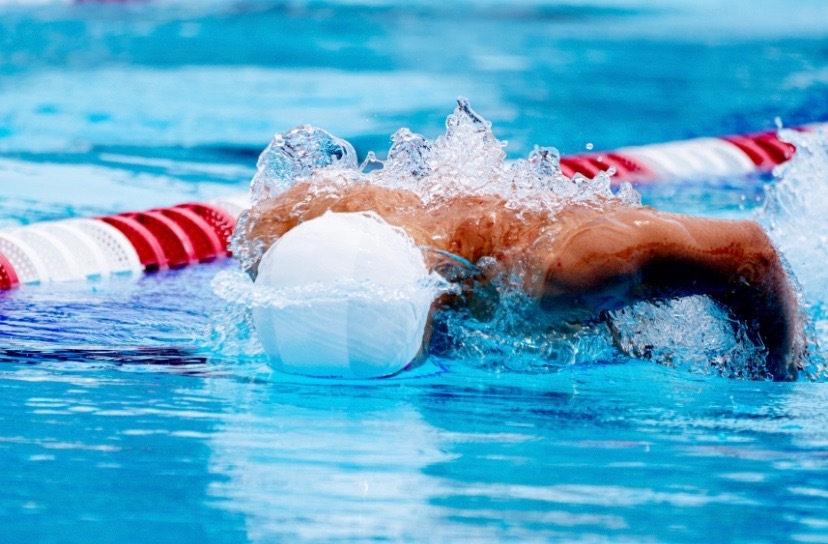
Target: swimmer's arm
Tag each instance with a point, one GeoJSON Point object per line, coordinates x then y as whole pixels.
{"type": "Point", "coordinates": [640, 254]}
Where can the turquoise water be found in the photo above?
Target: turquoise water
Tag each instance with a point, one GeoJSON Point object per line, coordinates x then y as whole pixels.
{"type": "Point", "coordinates": [129, 413]}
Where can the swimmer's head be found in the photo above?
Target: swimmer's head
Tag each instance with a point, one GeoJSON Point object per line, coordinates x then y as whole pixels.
{"type": "Point", "coordinates": [358, 298]}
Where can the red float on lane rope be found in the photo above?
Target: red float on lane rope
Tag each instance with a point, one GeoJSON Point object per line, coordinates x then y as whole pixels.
{"type": "Point", "coordinates": [205, 242]}
{"type": "Point", "coordinates": [626, 167]}
{"type": "Point", "coordinates": [221, 221]}
{"type": "Point", "coordinates": [778, 150]}
{"type": "Point", "coordinates": [177, 246]}
{"type": "Point", "coordinates": [8, 277]}
{"type": "Point", "coordinates": [149, 249]}
{"type": "Point", "coordinates": [581, 164]}
{"type": "Point", "coordinates": [765, 149]}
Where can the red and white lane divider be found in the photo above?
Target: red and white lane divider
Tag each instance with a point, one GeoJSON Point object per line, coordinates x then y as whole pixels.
{"type": "Point", "coordinates": [730, 156]}
{"type": "Point", "coordinates": [181, 235]}
{"type": "Point", "coordinates": [131, 242]}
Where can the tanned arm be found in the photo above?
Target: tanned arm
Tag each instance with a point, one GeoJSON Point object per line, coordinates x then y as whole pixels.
{"type": "Point", "coordinates": [627, 255]}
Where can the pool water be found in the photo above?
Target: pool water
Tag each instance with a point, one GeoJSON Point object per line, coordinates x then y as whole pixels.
{"type": "Point", "coordinates": [133, 413]}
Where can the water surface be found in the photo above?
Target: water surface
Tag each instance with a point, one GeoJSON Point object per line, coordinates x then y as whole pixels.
{"type": "Point", "coordinates": [123, 422]}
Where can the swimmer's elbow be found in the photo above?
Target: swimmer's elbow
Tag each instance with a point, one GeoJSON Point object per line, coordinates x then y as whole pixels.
{"type": "Point", "coordinates": [763, 290]}
{"type": "Point", "coordinates": [760, 263]}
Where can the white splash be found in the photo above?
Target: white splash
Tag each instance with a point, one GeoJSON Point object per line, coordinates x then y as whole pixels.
{"type": "Point", "coordinates": [796, 217]}
{"type": "Point", "coordinates": [466, 159]}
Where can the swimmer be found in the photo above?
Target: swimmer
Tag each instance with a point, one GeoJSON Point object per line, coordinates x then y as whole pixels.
{"type": "Point", "coordinates": [581, 261]}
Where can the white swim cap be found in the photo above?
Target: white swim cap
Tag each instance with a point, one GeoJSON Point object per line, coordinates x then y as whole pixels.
{"type": "Point", "coordinates": [350, 298]}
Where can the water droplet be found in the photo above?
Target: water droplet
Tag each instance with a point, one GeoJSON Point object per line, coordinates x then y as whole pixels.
{"type": "Point", "coordinates": [409, 153]}
{"type": "Point", "coordinates": [295, 154]}
{"type": "Point", "coordinates": [370, 163]}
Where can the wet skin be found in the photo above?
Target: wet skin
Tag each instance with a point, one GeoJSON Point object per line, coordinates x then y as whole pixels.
{"type": "Point", "coordinates": [583, 259]}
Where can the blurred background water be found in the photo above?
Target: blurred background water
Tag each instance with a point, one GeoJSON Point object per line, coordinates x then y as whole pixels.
{"type": "Point", "coordinates": [122, 423]}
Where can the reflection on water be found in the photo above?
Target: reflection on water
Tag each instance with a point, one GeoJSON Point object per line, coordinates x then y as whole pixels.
{"type": "Point", "coordinates": [465, 458]}
{"type": "Point", "coordinates": [323, 466]}
{"type": "Point", "coordinates": [597, 451]}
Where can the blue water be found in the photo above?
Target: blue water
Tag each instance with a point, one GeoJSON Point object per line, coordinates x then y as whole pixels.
{"type": "Point", "coordinates": [128, 413]}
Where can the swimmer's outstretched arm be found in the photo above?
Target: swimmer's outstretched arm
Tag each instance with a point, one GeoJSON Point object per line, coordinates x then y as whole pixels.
{"type": "Point", "coordinates": [626, 255]}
